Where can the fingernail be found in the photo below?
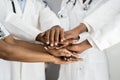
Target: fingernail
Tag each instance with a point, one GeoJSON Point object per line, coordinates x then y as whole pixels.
{"type": "Point", "coordinates": [47, 42]}
{"type": "Point", "coordinates": [57, 48]}
{"type": "Point", "coordinates": [49, 47]}
{"type": "Point", "coordinates": [51, 44]}
{"type": "Point", "coordinates": [56, 43]}
{"type": "Point", "coordinates": [65, 59]}
{"type": "Point", "coordinates": [46, 48]}
{"type": "Point", "coordinates": [62, 40]}
{"type": "Point", "coordinates": [75, 40]}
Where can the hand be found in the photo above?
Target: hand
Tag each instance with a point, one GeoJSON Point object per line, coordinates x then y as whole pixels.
{"type": "Point", "coordinates": [62, 61]}
{"type": "Point", "coordinates": [79, 48]}
{"type": "Point", "coordinates": [66, 43]}
{"type": "Point", "coordinates": [60, 52]}
{"type": "Point", "coordinates": [41, 38]}
{"type": "Point", "coordinates": [52, 36]}
{"type": "Point", "coordinates": [74, 33]}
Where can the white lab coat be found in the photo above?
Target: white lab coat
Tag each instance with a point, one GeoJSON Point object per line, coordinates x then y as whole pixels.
{"type": "Point", "coordinates": [94, 65]}
{"type": "Point", "coordinates": [26, 26]}
{"type": "Point", "coordinates": [104, 24]}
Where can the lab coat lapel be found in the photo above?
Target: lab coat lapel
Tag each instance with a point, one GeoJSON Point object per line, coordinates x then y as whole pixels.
{"type": "Point", "coordinates": [28, 9]}
{"type": "Point", "coordinates": [17, 8]}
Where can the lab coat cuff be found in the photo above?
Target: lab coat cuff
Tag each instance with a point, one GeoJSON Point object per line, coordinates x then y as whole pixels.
{"type": "Point", "coordinates": [83, 37]}
{"type": "Point", "coordinates": [3, 32]}
{"type": "Point", "coordinates": [92, 42]}
{"type": "Point", "coordinates": [89, 28]}
{"type": "Point", "coordinates": [55, 23]}
{"type": "Point", "coordinates": [100, 44]}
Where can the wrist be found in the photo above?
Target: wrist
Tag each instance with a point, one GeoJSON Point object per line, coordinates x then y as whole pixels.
{"type": "Point", "coordinates": [87, 44]}
{"type": "Point", "coordinates": [37, 37]}
{"type": "Point", "coordinates": [82, 28]}
{"type": "Point", "coordinates": [84, 45]}
{"type": "Point", "coordinates": [52, 59]}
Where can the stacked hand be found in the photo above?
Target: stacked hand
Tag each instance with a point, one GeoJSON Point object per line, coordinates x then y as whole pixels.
{"type": "Point", "coordinates": [62, 44]}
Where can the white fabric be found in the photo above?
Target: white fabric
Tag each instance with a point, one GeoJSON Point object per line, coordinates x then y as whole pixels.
{"type": "Point", "coordinates": [105, 35]}
{"type": "Point", "coordinates": [94, 66]}
{"type": "Point", "coordinates": [36, 18]}
{"type": "Point", "coordinates": [109, 35]}
{"type": "Point", "coordinates": [22, 4]}
{"type": "Point", "coordinates": [3, 32]}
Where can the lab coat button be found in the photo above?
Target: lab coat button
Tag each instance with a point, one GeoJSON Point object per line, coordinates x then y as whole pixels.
{"type": "Point", "coordinates": [61, 16]}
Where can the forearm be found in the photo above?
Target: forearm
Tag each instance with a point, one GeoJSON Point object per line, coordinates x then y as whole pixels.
{"type": "Point", "coordinates": [80, 28]}
{"type": "Point", "coordinates": [17, 50]}
{"type": "Point", "coordinates": [23, 54]}
{"type": "Point", "coordinates": [25, 44]}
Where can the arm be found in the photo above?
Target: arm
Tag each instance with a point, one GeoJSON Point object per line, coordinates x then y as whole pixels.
{"type": "Point", "coordinates": [97, 23]}
{"type": "Point", "coordinates": [103, 25]}
{"type": "Point", "coordinates": [45, 18]}
{"type": "Point", "coordinates": [16, 50]}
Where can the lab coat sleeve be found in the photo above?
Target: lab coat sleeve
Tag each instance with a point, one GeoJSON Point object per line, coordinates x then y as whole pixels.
{"type": "Point", "coordinates": [3, 32]}
{"type": "Point", "coordinates": [47, 17]}
{"type": "Point", "coordinates": [108, 36]}
{"type": "Point", "coordinates": [19, 29]}
{"type": "Point", "coordinates": [103, 14]}
{"type": "Point", "coordinates": [101, 34]}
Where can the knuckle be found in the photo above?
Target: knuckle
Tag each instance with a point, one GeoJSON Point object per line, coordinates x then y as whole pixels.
{"type": "Point", "coordinates": [46, 37]}
{"type": "Point", "coordinates": [56, 39]}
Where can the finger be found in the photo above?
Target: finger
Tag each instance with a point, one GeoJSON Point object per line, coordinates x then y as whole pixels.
{"type": "Point", "coordinates": [47, 37]}
{"type": "Point", "coordinates": [52, 35]}
{"type": "Point", "coordinates": [63, 53]}
{"type": "Point", "coordinates": [51, 47]}
{"type": "Point", "coordinates": [60, 46]}
{"type": "Point", "coordinates": [62, 35]}
{"type": "Point", "coordinates": [76, 59]}
{"type": "Point", "coordinates": [66, 53]}
{"type": "Point", "coordinates": [68, 42]}
{"type": "Point", "coordinates": [73, 48]}
{"type": "Point", "coordinates": [63, 60]}
{"type": "Point", "coordinates": [72, 41]}
{"type": "Point", "coordinates": [70, 59]}
{"type": "Point", "coordinates": [57, 33]}
{"type": "Point", "coordinates": [67, 58]}
{"type": "Point", "coordinates": [42, 34]}
{"type": "Point", "coordinates": [46, 48]}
